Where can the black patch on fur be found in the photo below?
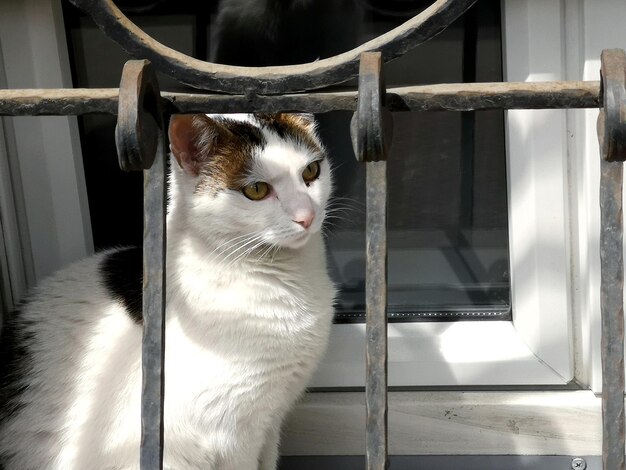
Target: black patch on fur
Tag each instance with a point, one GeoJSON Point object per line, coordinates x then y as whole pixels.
{"type": "Point", "coordinates": [246, 133]}
{"type": "Point", "coordinates": [292, 127]}
{"type": "Point", "coordinates": [122, 273]}
{"type": "Point", "coordinates": [280, 127]}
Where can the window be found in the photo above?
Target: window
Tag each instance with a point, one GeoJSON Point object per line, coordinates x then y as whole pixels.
{"type": "Point", "coordinates": [448, 223]}
{"type": "Point", "coordinates": [535, 347]}
{"type": "Point", "coordinates": [449, 238]}
{"type": "Point", "coordinates": [45, 218]}
{"type": "Point", "coordinates": [547, 202]}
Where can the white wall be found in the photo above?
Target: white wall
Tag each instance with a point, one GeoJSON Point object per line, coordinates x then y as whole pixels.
{"type": "Point", "coordinates": [41, 154]}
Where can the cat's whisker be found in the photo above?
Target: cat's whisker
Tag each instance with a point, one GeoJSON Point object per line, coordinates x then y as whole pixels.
{"type": "Point", "coordinates": [266, 253]}
{"type": "Point", "coordinates": [245, 253]}
{"type": "Point", "coordinates": [246, 247]}
{"type": "Point", "coordinates": [230, 251]}
{"type": "Point", "coordinates": [347, 200]}
{"type": "Point", "coordinates": [233, 241]}
{"type": "Point", "coordinates": [243, 250]}
{"type": "Point", "coordinates": [345, 208]}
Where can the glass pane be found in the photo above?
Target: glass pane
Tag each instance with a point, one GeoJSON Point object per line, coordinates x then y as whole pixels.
{"type": "Point", "coordinates": [448, 239]}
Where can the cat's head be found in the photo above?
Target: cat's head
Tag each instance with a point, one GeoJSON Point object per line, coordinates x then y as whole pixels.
{"type": "Point", "coordinates": [263, 178]}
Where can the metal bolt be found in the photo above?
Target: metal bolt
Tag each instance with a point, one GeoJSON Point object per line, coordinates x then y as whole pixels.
{"type": "Point", "coordinates": [579, 464]}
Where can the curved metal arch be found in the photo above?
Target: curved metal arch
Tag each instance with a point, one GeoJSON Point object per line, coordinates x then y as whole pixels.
{"type": "Point", "coordinates": [269, 80]}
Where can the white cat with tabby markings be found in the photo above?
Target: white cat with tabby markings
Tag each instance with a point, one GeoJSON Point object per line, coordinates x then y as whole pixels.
{"type": "Point", "coordinates": [249, 308]}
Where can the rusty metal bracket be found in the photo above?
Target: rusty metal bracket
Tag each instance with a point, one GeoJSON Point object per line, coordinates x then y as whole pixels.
{"type": "Point", "coordinates": [371, 127]}
{"type": "Point", "coordinates": [139, 119]}
{"type": "Point", "coordinates": [612, 118]}
{"type": "Point", "coordinates": [612, 139]}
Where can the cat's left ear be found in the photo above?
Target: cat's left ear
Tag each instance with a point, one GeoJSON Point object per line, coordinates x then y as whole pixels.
{"type": "Point", "coordinates": [192, 140]}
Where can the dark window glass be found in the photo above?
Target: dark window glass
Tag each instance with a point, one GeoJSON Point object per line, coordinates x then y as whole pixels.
{"type": "Point", "coordinates": [448, 239]}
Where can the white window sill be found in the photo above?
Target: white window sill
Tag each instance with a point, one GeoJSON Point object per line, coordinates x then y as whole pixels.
{"type": "Point", "coordinates": [430, 354]}
{"type": "Point", "coordinates": [451, 423]}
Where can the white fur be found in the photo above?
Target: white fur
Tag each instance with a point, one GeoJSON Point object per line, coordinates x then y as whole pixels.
{"type": "Point", "coordinates": [246, 326]}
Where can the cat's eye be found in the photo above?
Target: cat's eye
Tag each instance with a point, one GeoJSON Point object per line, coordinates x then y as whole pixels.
{"type": "Point", "coordinates": [256, 191]}
{"type": "Point", "coordinates": [311, 172]}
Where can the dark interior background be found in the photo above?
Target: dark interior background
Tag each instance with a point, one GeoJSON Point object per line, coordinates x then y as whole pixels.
{"type": "Point", "coordinates": [448, 210]}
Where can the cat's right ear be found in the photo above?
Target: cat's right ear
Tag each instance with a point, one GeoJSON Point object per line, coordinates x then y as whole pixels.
{"type": "Point", "coordinates": [192, 139]}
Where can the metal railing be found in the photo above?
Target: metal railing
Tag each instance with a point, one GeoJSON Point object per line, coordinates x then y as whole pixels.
{"type": "Point", "coordinates": [140, 139]}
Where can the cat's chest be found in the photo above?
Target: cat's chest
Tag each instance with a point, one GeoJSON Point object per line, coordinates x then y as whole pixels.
{"type": "Point", "coordinates": [260, 366]}
{"type": "Point", "coordinates": [214, 296]}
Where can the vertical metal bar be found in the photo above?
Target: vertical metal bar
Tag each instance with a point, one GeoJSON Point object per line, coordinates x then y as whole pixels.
{"type": "Point", "coordinates": [376, 312]}
{"type": "Point", "coordinates": [153, 345]}
{"type": "Point", "coordinates": [371, 130]}
{"type": "Point", "coordinates": [612, 301]}
{"type": "Point", "coordinates": [612, 139]}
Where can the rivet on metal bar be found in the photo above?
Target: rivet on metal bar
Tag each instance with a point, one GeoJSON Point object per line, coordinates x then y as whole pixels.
{"type": "Point", "coordinates": [140, 143]}
{"type": "Point", "coordinates": [371, 131]}
{"type": "Point", "coordinates": [612, 139]}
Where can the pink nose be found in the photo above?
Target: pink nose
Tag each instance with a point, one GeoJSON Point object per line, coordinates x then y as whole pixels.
{"type": "Point", "coordinates": [305, 220]}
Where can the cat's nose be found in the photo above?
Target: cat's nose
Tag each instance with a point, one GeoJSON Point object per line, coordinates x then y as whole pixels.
{"type": "Point", "coordinates": [305, 220]}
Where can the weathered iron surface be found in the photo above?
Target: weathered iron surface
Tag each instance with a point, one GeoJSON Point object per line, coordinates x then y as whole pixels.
{"type": "Point", "coordinates": [612, 286]}
{"type": "Point", "coordinates": [269, 80]}
{"type": "Point", "coordinates": [141, 145]}
{"type": "Point", "coordinates": [376, 316]}
{"type": "Point", "coordinates": [612, 126]}
{"type": "Point", "coordinates": [153, 348]}
{"type": "Point", "coordinates": [446, 97]}
{"type": "Point", "coordinates": [139, 119]}
{"type": "Point", "coordinates": [498, 95]}
{"type": "Point", "coordinates": [371, 128]}
{"type": "Point", "coordinates": [368, 137]}
{"type": "Point", "coordinates": [612, 140]}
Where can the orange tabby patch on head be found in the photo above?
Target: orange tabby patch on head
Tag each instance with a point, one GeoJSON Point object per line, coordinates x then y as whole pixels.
{"type": "Point", "coordinates": [219, 150]}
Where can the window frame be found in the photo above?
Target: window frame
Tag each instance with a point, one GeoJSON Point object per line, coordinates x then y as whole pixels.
{"type": "Point", "coordinates": [536, 347]}
{"type": "Point", "coordinates": [46, 222]}
{"type": "Point", "coordinates": [574, 31]}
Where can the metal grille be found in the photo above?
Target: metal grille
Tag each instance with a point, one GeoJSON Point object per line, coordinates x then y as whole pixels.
{"type": "Point", "coordinates": [141, 146]}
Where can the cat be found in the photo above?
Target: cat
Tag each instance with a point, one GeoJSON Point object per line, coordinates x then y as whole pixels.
{"type": "Point", "coordinates": [249, 309]}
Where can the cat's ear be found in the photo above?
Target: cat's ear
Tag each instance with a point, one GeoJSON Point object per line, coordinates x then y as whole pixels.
{"type": "Point", "coordinates": [305, 120]}
{"type": "Point", "coordinates": [192, 140]}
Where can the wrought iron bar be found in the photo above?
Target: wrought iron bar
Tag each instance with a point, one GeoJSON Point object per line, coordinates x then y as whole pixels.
{"type": "Point", "coordinates": [269, 80]}
{"type": "Point", "coordinates": [445, 97]}
{"type": "Point", "coordinates": [371, 130]}
{"type": "Point", "coordinates": [140, 141]}
{"type": "Point", "coordinates": [376, 317]}
{"type": "Point", "coordinates": [153, 350]}
{"type": "Point", "coordinates": [612, 139]}
{"type": "Point", "coordinates": [612, 325]}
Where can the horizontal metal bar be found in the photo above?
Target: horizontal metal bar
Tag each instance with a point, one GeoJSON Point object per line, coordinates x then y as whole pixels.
{"type": "Point", "coordinates": [445, 97]}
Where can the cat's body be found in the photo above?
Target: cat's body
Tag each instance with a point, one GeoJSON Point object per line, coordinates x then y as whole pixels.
{"type": "Point", "coordinates": [247, 318]}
